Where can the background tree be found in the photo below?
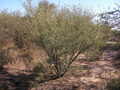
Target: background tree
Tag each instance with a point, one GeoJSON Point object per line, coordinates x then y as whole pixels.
{"type": "Point", "coordinates": [111, 18]}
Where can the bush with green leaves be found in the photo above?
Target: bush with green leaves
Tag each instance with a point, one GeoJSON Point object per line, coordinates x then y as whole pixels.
{"type": "Point", "coordinates": [62, 33]}
{"type": "Point", "coordinates": [115, 36]}
{"type": "Point", "coordinates": [65, 34]}
{"type": "Point", "coordinates": [12, 28]}
{"type": "Point", "coordinates": [3, 58]}
{"type": "Point", "coordinates": [114, 84]}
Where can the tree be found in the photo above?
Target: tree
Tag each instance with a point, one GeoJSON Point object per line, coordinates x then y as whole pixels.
{"type": "Point", "coordinates": [64, 35]}
{"type": "Point", "coordinates": [28, 7]}
{"type": "Point", "coordinates": [111, 18]}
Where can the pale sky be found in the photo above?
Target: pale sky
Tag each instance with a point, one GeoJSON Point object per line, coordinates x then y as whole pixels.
{"type": "Point", "coordinates": [96, 6]}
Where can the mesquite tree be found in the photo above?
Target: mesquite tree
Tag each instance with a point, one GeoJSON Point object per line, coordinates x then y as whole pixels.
{"type": "Point", "coordinates": [65, 34]}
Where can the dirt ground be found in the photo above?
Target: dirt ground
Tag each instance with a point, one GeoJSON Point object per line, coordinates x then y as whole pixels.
{"type": "Point", "coordinates": [87, 75]}
{"type": "Point", "coordinates": [83, 75]}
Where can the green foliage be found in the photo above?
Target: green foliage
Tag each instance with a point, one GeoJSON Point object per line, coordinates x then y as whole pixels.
{"type": "Point", "coordinates": [116, 33]}
{"type": "Point", "coordinates": [4, 87]}
{"type": "Point", "coordinates": [115, 36]}
{"type": "Point", "coordinates": [40, 71]}
{"type": "Point", "coordinates": [114, 84]}
{"type": "Point", "coordinates": [65, 34]}
{"type": "Point", "coordinates": [3, 58]}
{"type": "Point", "coordinates": [13, 27]}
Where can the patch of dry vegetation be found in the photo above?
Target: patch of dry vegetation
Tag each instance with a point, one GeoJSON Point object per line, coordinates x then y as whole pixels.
{"type": "Point", "coordinates": [48, 40]}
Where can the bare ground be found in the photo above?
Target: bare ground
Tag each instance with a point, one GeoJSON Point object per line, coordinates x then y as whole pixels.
{"type": "Point", "coordinates": [83, 75]}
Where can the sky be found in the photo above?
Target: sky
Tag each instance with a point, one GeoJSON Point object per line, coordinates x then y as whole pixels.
{"type": "Point", "coordinates": [95, 6]}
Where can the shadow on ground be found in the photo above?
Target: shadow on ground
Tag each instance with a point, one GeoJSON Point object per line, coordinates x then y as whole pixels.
{"type": "Point", "coordinates": [14, 82]}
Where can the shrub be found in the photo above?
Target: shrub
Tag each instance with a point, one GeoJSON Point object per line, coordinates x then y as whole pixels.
{"type": "Point", "coordinates": [114, 84]}
{"type": "Point", "coordinates": [3, 58]}
{"type": "Point", "coordinates": [65, 34]}
{"type": "Point", "coordinates": [13, 27]}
